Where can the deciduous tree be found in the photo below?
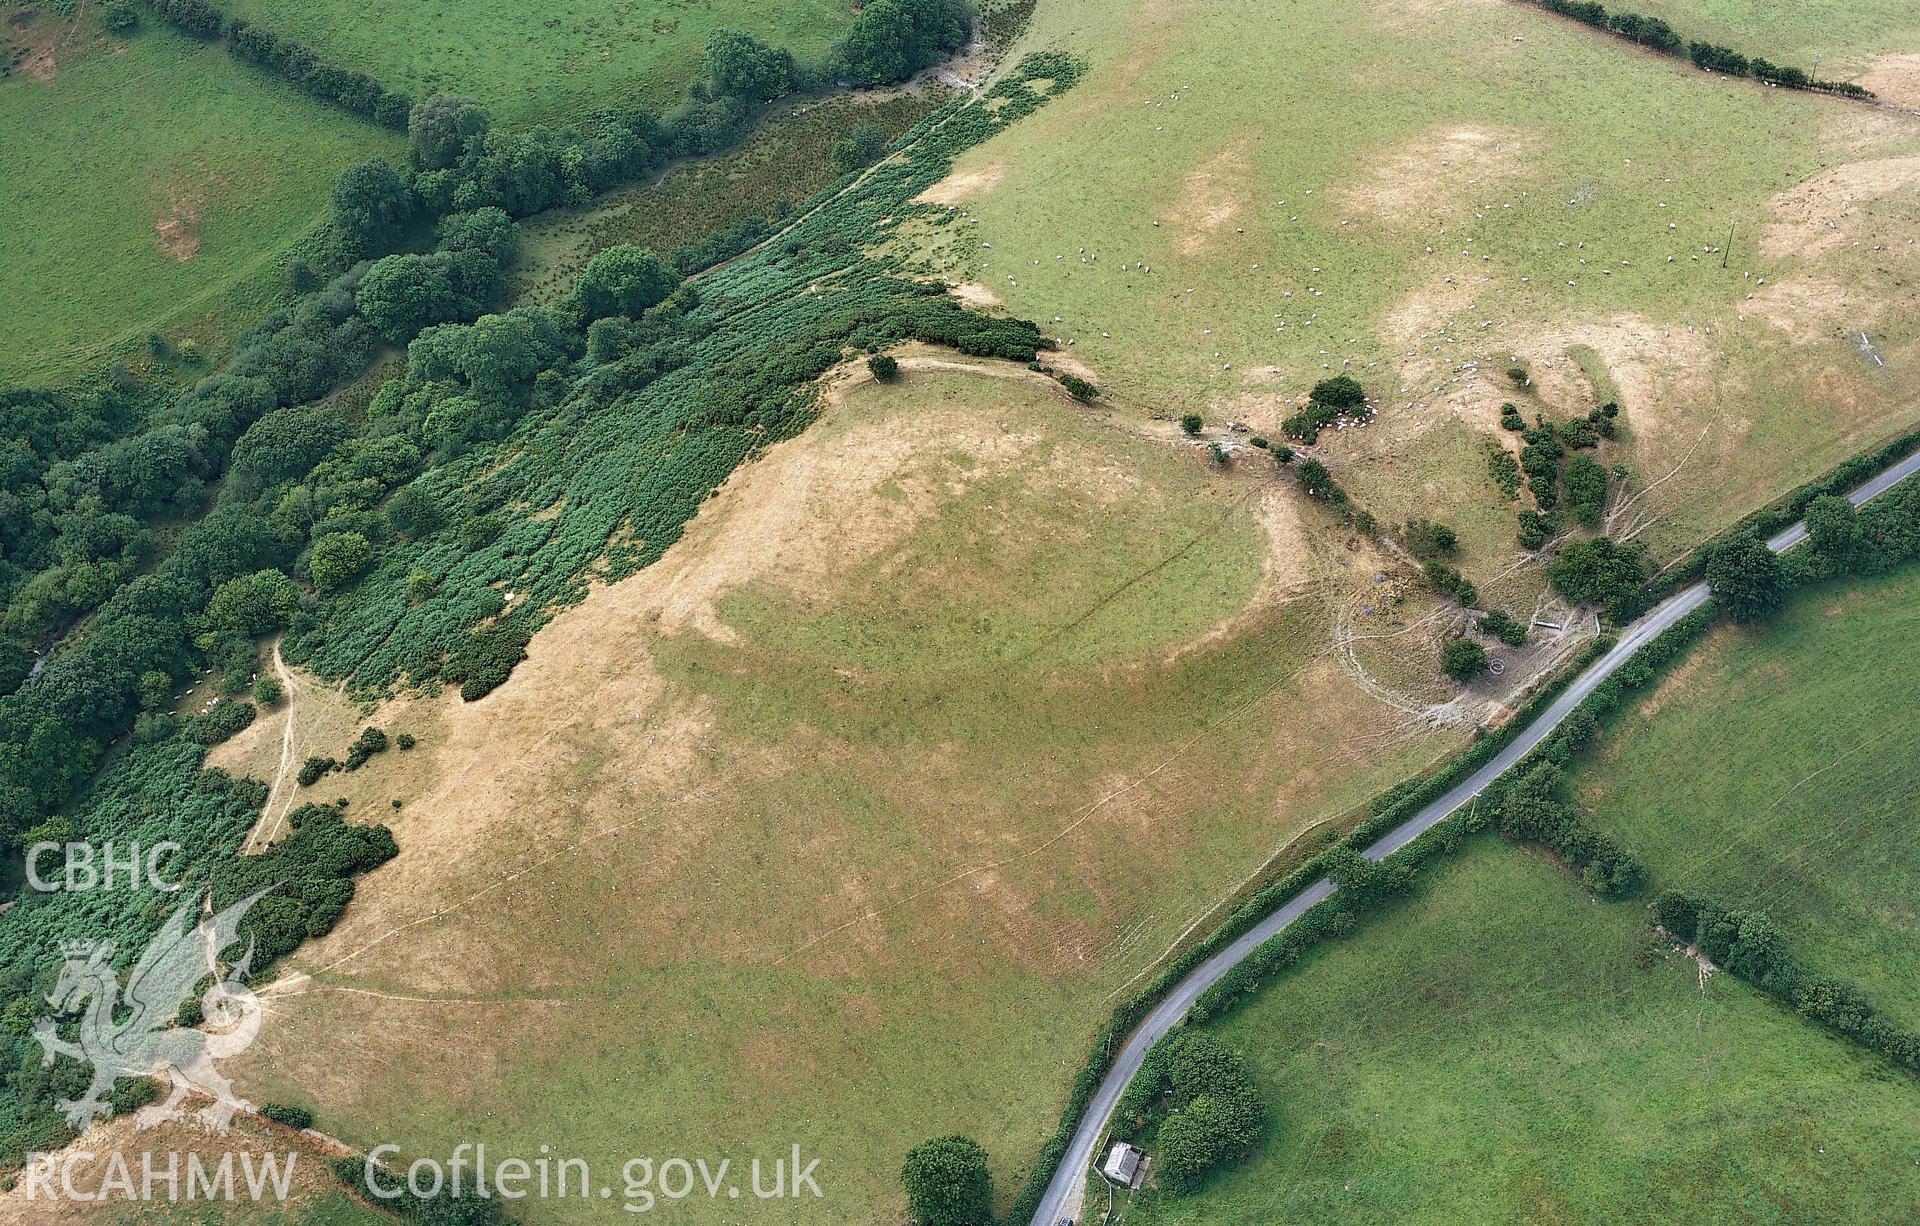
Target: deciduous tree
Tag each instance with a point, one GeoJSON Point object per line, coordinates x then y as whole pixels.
{"type": "Point", "coordinates": [441, 128]}
{"type": "Point", "coordinates": [623, 280]}
{"type": "Point", "coordinates": [744, 67]}
{"type": "Point", "coordinates": [1746, 578]}
{"type": "Point", "coordinates": [1463, 660]}
{"type": "Point", "coordinates": [948, 1183]}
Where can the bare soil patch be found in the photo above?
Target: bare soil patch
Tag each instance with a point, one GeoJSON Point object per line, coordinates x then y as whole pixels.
{"type": "Point", "coordinates": [38, 64]}
{"type": "Point", "coordinates": [975, 294]}
{"type": "Point", "coordinates": [1451, 366]}
{"type": "Point", "coordinates": [1895, 77]}
{"type": "Point", "coordinates": [1653, 364]}
{"type": "Point", "coordinates": [319, 721]}
{"type": "Point", "coordinates": [1428, 310]}
{"type": "Point", "coordinates": [1429, 174]}
{"type": "Point", "coordinates": [1816, 308]}
{"type": "Point", "coordinates": [1445, 368]}
{"type": "Point", "coordinates": [177, 227]}
{"type": "Point", "coordinates": [963, 184]}
{"type": "Point", "coordinates": [1212, 195]}
{"type": "Point", "coordinates": [33, 42]}
{"type": "Point", "coordinates": [1861, 132]}
{"type": "Point", "coordinates": [1813, 217]}
{"type": "Point", "coordinates": [1677, 388]}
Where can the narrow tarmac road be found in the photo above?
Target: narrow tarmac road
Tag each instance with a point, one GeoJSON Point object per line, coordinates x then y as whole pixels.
{"type": "Point", "coordinates": [1062, 1197]}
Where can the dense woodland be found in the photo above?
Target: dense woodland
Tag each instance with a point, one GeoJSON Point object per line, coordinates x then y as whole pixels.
{"type": "Point", "coordinates": [249, 504]}
{"type": "Point", "coordinates": [95, 479]}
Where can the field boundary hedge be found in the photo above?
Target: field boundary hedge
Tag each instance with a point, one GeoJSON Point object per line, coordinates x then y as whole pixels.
{"type": "Point", "coordinates": [1394, 806]}
{"type": "Point", "coordinates": [1747, 945]}
{"type": "Point", "coordinates": [295, 63]}
{"type": "Point", "coordinates": [1389, 810]}
{"type": "Point", "coordinates": [1781, 513]}
{"type": "Point", "coordinates": [1656, 35]}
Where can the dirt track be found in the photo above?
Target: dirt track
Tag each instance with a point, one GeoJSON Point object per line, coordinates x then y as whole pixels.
{"type": "Point", "coordinates": [282, 790]}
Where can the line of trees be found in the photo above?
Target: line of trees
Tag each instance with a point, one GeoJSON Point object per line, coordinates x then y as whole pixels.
{"type": "Point", "coordinates": [463, 162]}
{"type": "Point", "coordinates": [890, 41]}
{"type": "Point", "coordinates": [1656, 34]}
{"type": "Point", "coordinates": [296, 63]}
{"type": "Point", "coordinates": [1747, 943]}
{"type": "Point", "coordinates": [1750, 582]}
{"type": "Point", "coordinates": [1533, 808]}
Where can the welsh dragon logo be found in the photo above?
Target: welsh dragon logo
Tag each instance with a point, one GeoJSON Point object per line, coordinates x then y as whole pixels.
{"type": "Point", "coordinates": [132, 1033]}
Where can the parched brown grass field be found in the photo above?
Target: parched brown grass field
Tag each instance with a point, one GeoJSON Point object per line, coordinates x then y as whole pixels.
{"type": "Point", "coordinates": [847, 820]}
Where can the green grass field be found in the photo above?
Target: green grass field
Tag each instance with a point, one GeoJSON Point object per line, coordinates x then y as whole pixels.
{"type": "Point", "coordinates": [1429, 192]}
{"type": "Point", "coordinates": [543, 62]}
{"type": "Point", "coordinates": [1845, 35]}
{"type": "Point", "coordinates": [1777, 769]}
{"type": "Point", "coordinates": [1503, 1048]}
{"type": "Point", "coordinates": [151, 184]}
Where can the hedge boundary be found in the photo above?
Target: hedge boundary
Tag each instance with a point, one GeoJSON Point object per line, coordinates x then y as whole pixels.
{"type": "Point", "coordinates": [1661, 38]}
{"type": "Point", "coordinates": [1781, 513]}
{"type": "Point", "coordinates": [1389, 809]}
{"type": "Point", "coordinates": [1400, 802]}
{"type": "Point", "coordinates": [295, 63]}
{"type": "Point", "coordinates": [1745, 943]}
